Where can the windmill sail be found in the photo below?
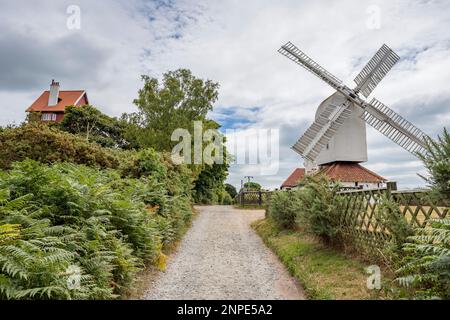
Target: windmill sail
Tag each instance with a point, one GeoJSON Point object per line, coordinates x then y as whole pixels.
{"type": "Point", "coordinates": [395, 127]}
{"type": "Point", "coordinates": [322, 130]}
{"type": "Point", "coordinates": [377, 68]}
{"type": "Point", "coordinates": [295, 54]}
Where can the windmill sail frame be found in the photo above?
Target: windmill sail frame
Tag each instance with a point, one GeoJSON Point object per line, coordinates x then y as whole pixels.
{"type": "Point", "coordinates": [322, 130]}
{"type": "Point", "coordinates": [295, 54]}
{"type": "Point", "coordinates": [394, 126]}
{"type": "Point", "coordinates": [375, 113]}
{"type": "Point", "coordinates": [375, 70]}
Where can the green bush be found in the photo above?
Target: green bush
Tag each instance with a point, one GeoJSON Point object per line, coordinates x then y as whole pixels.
{"type": "Point", "coordinates": [57, 218]}
{"type": "Point", "coordinates": [321, 208]}
{"type": "Point", "coordinates": [49, 145]}
{"type": "Point", "coordinates": [437, 163]}
{"type": "Point", "coordinates": [227, 200]}
{"type": "Point", "coordinates": [425, 272]}
{"type": "Point", "coordinates": [283, 208]}
{"type": "Point", "coordinates": [390, 217]}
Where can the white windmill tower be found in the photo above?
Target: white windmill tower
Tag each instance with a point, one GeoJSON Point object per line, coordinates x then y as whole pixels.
{"type": "Point", "coordinates": [338, 133]}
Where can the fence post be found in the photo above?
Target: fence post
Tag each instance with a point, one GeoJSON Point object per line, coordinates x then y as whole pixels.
{"type": "Point", "coordinates": [260, 198]}
{"type": "Point", "coordinates": [241, 198]}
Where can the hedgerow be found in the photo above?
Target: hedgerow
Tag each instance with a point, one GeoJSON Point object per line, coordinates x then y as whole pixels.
{"type": "Point", "coordinates": [49, 145]}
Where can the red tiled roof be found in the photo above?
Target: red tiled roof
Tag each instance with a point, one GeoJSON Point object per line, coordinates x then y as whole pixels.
{"type": "Point", "coordinates": [66, 98]}
{"type": "Point", "coordinates": [350, 172]}
{"type": "Point", "coordinates": [294, 178]}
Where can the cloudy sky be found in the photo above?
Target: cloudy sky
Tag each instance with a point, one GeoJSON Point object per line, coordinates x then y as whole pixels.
{"type": "Point", "coordinates": [235, 43]}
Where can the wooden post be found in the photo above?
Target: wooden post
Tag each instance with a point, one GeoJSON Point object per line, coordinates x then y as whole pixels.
{"type": "Point", "coordinates": [260, 198]}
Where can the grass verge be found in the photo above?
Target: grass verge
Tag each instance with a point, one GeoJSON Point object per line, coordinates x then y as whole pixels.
{"type": "Point", "coordinates": [323, 272]}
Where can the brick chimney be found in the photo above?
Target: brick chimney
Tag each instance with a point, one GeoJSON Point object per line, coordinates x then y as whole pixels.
{"type": "Point", "coordinates": [54, 94]}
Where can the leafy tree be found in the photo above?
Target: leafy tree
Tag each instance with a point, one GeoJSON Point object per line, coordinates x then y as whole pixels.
{"type": "Point", "coordinates": [231, 190]}
{"type": "Point", "coordinates": [209, 185]}
{"type": "Point", "coordinates": [94, 126]}
{"type": "Point", "coordinates": [253, 186]}
{"type": "Point", "coordinates": [179, 100]}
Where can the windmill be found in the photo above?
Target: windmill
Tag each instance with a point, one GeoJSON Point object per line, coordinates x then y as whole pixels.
{"type": "Point", "coordinates": [339, 130]}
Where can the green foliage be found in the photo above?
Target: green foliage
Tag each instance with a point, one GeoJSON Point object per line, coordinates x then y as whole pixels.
{"type": "Point", "coordinates": [284, 208]}
{"type": "Point", "coordinates": [315, 205]}
{"type": "Point", "coordinates": [225, 198]}
{"type": "Point", "coordinates": [68, 216]}
{"type": "Point", "coordinates": [437, 162]}
{"type": "Point", "coordinates": [390, 217]}
{"type": "Point", "coordinates": [321, 208]}
{"type": "Point", "coordinates": [208, 187]}
{"type": "Point", "coordinates": [95, 126]}
{"type": "Point", "coordinates": [231, 190]}
{"type": "Point", "coordinates": [425, 272]}
{"type": "Point", "coordinates": [176, 102]}
{"type": "Point", "coordinates": [163, 107]}
{"type": "Point", "coordinates": [252, 186]}
{"type": "Point", "coordinates": [146, 162]}
{"type": "Point", "coordinates": [49, 145]}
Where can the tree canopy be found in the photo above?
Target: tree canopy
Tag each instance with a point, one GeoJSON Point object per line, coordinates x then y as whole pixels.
{"type": "Point", "coordinates": [253, 186]}
{"type": "Point", "coordinates": [231, 190]}
{"type": "Point", "coordinates": [176, 102]}
{"type": "Point", "coordinates": [94, 126]}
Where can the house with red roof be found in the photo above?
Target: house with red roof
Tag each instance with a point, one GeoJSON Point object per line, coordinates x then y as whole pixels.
{"type": "Point", "coordinates": [350, 175]}
{"type": "Point", "coordinates": [52, 103]}
{"type": "Point", "coordinates": [292, 181]}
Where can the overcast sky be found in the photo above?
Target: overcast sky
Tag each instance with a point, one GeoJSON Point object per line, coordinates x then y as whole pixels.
{"type": "Point", "coordinates": [235, 43]}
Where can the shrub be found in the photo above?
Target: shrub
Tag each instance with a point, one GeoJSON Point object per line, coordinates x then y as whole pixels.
{"type": "Point", "coordinates": [321, 208]}
{"type": "Point", "coordinates": [426, 270]}
{"type": "Point", "coordinates": [437, 162]}
{"type": "Point", "coordinates": [49, 145]}
{"type": "Point", "coordinates": [227, 200]}
{"type": "Point", "coordinates": [284, 208]}
{"type": "Point", "coordinates": [57, 218]}
{"type": "Point", "coordinates": [391, 218]}
{"type": "Point", "coordinates": [231, 190]}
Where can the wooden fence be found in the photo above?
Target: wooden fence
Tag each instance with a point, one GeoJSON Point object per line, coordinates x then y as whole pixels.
{"type": "Point", "coordinates": [252, 198]}
{"type": "Point", "coordinates": [360, 219]}
{"type": "Point", "coordinates": [361, 222]}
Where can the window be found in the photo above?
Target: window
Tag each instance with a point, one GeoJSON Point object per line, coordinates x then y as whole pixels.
{"type": "Point", "coordinates": [49, 117]}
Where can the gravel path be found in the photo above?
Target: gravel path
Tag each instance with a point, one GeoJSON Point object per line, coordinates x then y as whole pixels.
{"type": "Point", "coordinates": [221, 257]}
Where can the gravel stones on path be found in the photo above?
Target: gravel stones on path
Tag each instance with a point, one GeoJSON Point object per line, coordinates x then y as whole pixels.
{"type": "Point", "coordinates": [221, 257]}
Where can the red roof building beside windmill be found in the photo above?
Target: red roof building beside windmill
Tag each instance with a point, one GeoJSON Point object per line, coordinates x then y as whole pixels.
{"type": "Point", "coordinates": [349, 174]}
{"type": "Point", "coordinates": [52, 103]}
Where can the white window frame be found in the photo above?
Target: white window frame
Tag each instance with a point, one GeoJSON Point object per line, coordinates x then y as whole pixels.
{"type": "Point", "coordinates": [48, 117]}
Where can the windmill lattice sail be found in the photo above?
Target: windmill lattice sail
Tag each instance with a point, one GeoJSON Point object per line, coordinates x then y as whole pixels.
{"type": "Point", "coordinates": [295, 54]}
{"type": "Point", "coordinates": [375, 70]}
{"type": "Point", "coordinates": [395, 127]}
{"type": "Point", "coordinates": [322, 130]}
